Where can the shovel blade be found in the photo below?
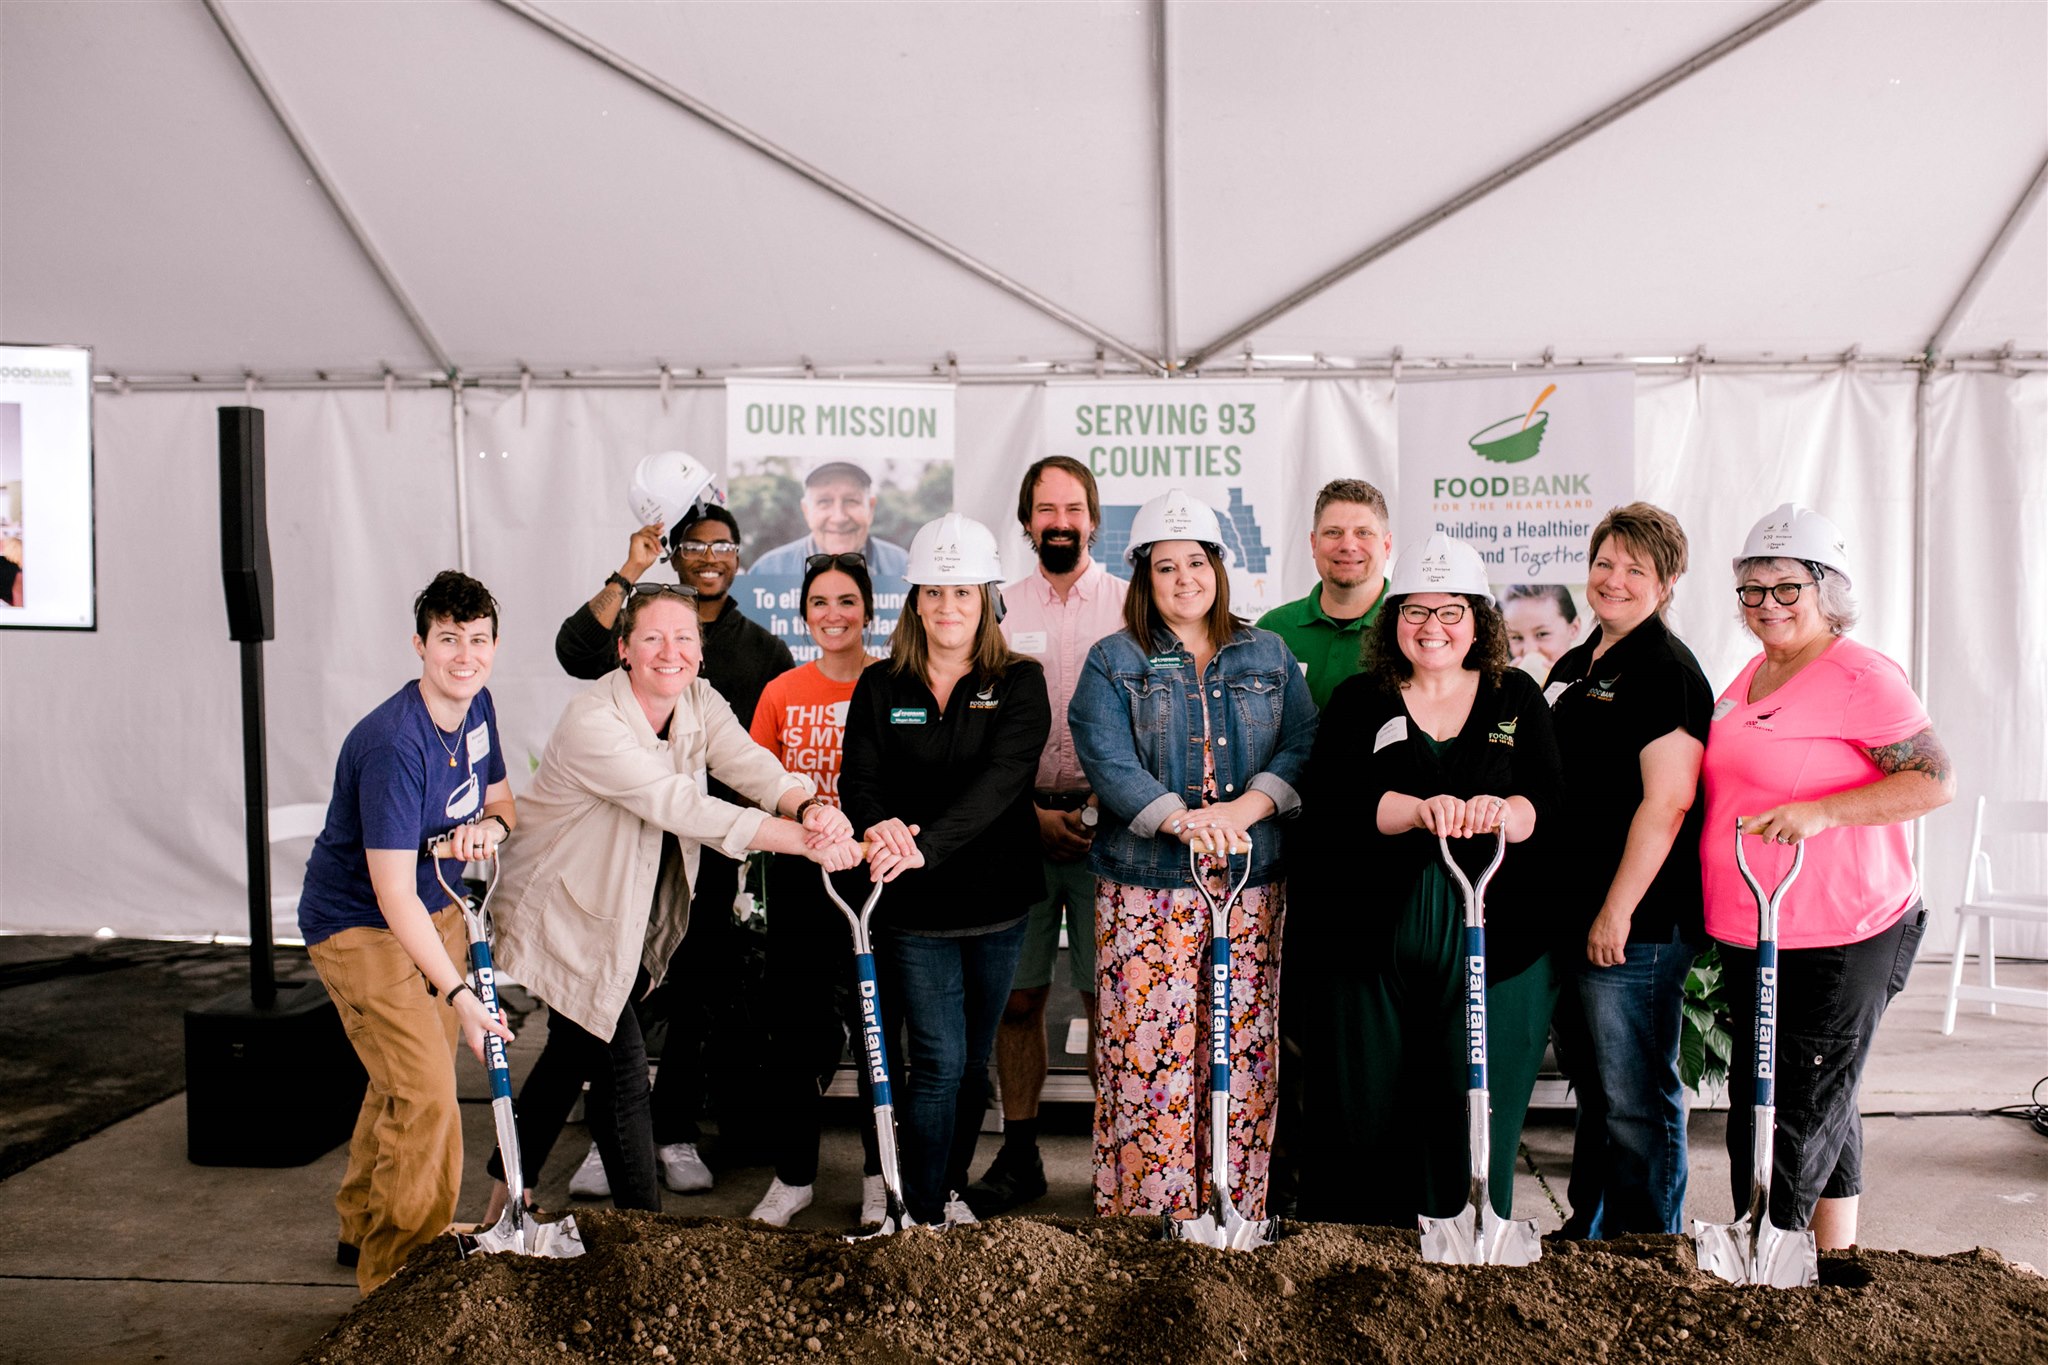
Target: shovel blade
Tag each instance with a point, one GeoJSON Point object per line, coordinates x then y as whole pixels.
{"type": "Point", "coordinates": [1777, 1260]}
{"type": "Point", "coordinates": [1471, 1237]}
{"type": "Point", "coordinates": [1233, 1233]}
{"type": "Point", "coordinates": [523, 1237]}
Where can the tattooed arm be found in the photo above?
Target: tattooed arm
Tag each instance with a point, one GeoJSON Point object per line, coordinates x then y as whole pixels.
{"type": "Point", "coordinates": [1917, 778]}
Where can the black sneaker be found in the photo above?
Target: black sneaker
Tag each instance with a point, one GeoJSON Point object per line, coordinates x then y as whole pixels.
{"type": "Point", "coordinates": [1008, 1183]}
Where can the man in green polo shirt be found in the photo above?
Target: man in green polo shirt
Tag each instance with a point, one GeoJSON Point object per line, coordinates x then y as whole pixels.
{"type": "Point", "coordinates": [1351, 545]}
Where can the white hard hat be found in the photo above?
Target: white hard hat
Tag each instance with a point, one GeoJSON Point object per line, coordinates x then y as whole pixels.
{"type": "Point", "coordinates": [1175, 514]}
{"type": "Point", "coordinates": [954, 549]}
{"type": "Point", "coordinates": [667, 486]}
{"type": "Point", "coordinates": [1440, 564]}
{"type": "Point", "coordinates": [1795, 531]}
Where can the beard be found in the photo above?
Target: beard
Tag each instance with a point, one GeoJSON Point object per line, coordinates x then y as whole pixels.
{"type": "Point", "coordinates": [1059, 551]}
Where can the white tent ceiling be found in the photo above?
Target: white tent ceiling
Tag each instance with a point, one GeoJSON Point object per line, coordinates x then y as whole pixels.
{"type": "Point", "coordinates": [1833, 183]}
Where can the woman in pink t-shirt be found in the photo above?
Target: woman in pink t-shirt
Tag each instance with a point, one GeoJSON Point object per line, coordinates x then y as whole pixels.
{"type": "Point", "coordinates": [1819, 740]}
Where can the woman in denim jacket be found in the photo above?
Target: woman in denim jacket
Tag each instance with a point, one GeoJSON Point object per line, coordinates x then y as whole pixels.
{"type": "Point", "coordinates": [1192, 727]}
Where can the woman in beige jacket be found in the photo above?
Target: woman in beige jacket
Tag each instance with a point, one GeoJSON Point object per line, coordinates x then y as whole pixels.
{"type": "Point", "coordinates": [596, 891]}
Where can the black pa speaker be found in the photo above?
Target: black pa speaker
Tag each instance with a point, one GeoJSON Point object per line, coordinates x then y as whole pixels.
{"type": "Point", "coordinates": [244, 526]}
{"type": "Point", "coordinates": [269, 1086]}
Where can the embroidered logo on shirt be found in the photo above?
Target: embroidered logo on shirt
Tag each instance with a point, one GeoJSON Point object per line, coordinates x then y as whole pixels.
{"type": "Point", "coordinates": [1602, 689]}
{"type": "Point", "coordinates": [984, 700]}
{"type": "Point", "coordinates": [1762, 720]}
{"type": "Point", "coordinates": [464, 800]}
{"type": "Point", "coordinates": [1504, 732]}
{"type": "Point", "coordinates": [906, 715]}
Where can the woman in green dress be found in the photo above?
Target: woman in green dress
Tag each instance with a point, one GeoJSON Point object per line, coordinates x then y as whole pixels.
{"type": "Point", "coordinates": [1440, 735]}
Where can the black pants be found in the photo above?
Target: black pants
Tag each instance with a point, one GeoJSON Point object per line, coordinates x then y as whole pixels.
{"type": "Point", "coordinates": [810, 987]}
{"type": "Point", "coordinates": [617, 1110]}
{"type": "Point", "coordinates": [704, 986]}
{"type": "Point", "coordinates": [1829, 1003]}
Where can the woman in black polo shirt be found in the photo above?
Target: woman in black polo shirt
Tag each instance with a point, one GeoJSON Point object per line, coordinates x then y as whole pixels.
{"type": "Point", "coordinates": [1630, 707]}
{"type": "Point", "coordinates": [942, 743]}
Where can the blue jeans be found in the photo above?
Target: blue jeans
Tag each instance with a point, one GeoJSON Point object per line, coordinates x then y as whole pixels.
{"type": "Point", "coordinates": [1621, 1047]}
{"type": "Point", "coordinates": [950, 993]}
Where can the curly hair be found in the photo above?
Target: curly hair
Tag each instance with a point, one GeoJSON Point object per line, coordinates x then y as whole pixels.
{"type": "Point", "coordinates": [455, 597]}
{"type": "Point", "coordinates": [1389, 667]}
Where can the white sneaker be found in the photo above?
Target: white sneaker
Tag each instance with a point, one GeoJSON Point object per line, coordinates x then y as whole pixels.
{"type": "Point", "coordinates": [956, 1212]}
{"type": "Point", "coordinates": [682, 1170]}
{"type": "Point", "coordinates": [874, 1199]}
{"type": "Point", "coordinates": [589, 1181]}
{"type": "Point", "coordinates": [781, 1203]}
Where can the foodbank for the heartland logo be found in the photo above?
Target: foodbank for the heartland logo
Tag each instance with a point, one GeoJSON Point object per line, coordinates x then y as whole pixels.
{"type": "Point", "coordinates": [1504, 732]}
{"type": "Point", "coordinates": [1514, 439]}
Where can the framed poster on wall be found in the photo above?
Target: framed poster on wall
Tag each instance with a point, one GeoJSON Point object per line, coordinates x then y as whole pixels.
{"type": "Point", "coordinates": [46, 488]}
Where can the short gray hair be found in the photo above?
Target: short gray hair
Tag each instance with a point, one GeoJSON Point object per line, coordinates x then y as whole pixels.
{"type": "Point", "coordinates": [1837, 600]}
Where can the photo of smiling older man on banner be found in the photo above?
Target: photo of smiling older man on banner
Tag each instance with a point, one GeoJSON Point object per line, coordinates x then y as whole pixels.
{"type": "Point", "coordinates": [1520, 467]}
{"type": "Point", "coordinates": [829, 468]}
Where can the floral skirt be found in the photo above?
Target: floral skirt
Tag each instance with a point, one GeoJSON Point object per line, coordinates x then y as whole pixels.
{"type": "Point", "coordinates": [1152, 1062]}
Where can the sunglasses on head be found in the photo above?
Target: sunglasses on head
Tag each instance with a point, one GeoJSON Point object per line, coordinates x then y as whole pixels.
{"type": "Point", "coordinates": [851, 559]}
{"type": "Point", "coordinates": [678, 590]}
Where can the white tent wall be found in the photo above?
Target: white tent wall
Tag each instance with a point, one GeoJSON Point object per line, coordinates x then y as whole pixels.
{"type": "Point", "coordinates": [120, 790]}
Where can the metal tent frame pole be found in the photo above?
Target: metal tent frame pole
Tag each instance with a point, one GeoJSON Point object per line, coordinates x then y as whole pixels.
{"type": "Point", "coordinates": [831, 184]}
{"type": "Point", "coordinates": [1168, 142]}
{"type": "Point", "coordinates": [327, 186]}
{"type": "Point", "coordinates": [1577, 133]}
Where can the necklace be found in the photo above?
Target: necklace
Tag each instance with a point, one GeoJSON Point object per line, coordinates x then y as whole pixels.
{"type": "Point", "coordinates": [435, 726]}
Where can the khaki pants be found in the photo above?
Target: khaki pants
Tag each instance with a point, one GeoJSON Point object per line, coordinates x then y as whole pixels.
{"type": "Point", "coordinates": [405, 1157]}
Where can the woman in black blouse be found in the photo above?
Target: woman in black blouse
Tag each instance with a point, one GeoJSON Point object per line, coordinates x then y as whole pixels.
{"type": "Point", "coordinates": [942, 743]}
{"type": "Point", "coordinates": [1631, 709]}
{"type": "Point", "coordinates": [1439, 736]}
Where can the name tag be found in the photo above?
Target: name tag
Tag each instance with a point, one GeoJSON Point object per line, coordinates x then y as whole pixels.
{"type": "Point", "coordinates": [1723, 707]}
{"type": "Point", "coordinates": [1163, 661]}
{"type": "Point", "coordinates": [1029, 642]}
{"type": "Point", "coordinates": [1553, 692]}
{"type": "Point", "coordinates": [479, 744]}
{"type": "Point", "coordinates": [906, 715]}
{"type": "Point", "coordinates": [1393, 732]}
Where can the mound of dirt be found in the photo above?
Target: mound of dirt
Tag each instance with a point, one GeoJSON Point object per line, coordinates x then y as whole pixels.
{"type": "Point", "coordinates": [665, 1288]}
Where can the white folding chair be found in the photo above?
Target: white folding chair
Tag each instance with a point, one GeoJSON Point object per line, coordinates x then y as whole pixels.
{"type": "Point", "coordinates": [301, 820]}
{"type": "Point", "coordinates": [1984, 902]}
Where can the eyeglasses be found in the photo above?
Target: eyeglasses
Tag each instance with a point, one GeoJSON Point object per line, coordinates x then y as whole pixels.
{"type": "Point", "coordinates": [851, 559]}
{"type": "Point", "coordinates": [698, 549]}
{"type": "Point", "coordinates": [1450, 613]}
{"type": "Point", "coordinates": [682, 590]}
{"type": "Point", "coordinates": [1784, 594]}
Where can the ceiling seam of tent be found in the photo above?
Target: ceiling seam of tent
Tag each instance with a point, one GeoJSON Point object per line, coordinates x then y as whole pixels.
{"type": "Point", "coordinates": [840, 189]}
{"type": "Point", "coordinates": [1993, 255]}
{"type": "Point", "coordinates": [2007, 361]}
{"type": "Point", "coordinates": [355, 227]}
{"type": "Point", "coordinates": [1169, 244]}
{"type": "Point", "coordinates": [1577, 133]}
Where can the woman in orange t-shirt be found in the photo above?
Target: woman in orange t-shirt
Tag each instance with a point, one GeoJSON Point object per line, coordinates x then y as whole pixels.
{"type": "Point", "coordinates": [801, 719]}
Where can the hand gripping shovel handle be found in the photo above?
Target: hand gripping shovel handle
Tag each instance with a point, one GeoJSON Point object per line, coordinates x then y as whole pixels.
{"type": "Point", "coordinates": [1753, 1250]}
{"type": "Point", "coordinates": [1477, 1235]}
{"type": "Point", "coordinates": [515, 1231]}
{"type": "Point", "coordinates": [875, 1051]}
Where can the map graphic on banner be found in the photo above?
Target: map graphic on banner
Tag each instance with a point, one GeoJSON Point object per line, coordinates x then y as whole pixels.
{"type": "Point", "coordinates": [1223, 442]}
{"type": "Point", "coordinates": [828, 466]}
{"type": "Point", "coordinates": [1521, 467]}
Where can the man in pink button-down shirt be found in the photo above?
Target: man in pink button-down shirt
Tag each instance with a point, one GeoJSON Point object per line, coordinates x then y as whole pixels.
{"type": "Point", "coordinates": [1055, 616]}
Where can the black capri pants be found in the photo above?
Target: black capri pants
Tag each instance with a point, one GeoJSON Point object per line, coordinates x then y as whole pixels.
{"type": "Point", "coordinates": [1829, 1002]}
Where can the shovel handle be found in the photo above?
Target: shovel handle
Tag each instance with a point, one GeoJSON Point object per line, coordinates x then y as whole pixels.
{"type": "Point", "coordinates": [1475, 894]}
{"type": "Point", "coordinates": [1767, 906]}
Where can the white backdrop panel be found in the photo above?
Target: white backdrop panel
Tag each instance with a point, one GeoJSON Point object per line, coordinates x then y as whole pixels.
{"type": "Point", "coordinates": [120, 792]}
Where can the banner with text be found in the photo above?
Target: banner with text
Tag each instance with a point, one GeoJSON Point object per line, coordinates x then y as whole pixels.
{"type": "Point", "coordinates": [1521, 467]}
{"type": "Point", "coordinates": [1225, 442]}
{"type": "Point", "coordinates": [819, 466]}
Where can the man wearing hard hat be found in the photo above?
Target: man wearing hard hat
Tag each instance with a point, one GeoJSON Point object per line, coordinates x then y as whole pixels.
{"type": "Point", "coordinates": [675, 490]}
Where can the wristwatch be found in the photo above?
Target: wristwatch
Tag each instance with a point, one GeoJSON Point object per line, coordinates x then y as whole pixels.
{"type": "Point", "coordinates": [803, 807]}
{"type": "Point", "coordinates": [625, 583]}
{"type": "Point", "coordinates": [1090, 817]}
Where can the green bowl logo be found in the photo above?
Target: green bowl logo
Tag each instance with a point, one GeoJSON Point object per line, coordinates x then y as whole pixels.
{"type": "Point", "coordinates": [1509, 441]}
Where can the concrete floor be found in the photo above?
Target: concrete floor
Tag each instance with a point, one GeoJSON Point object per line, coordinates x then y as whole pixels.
{"type": "Point", "coordinates": [118, 1250]}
